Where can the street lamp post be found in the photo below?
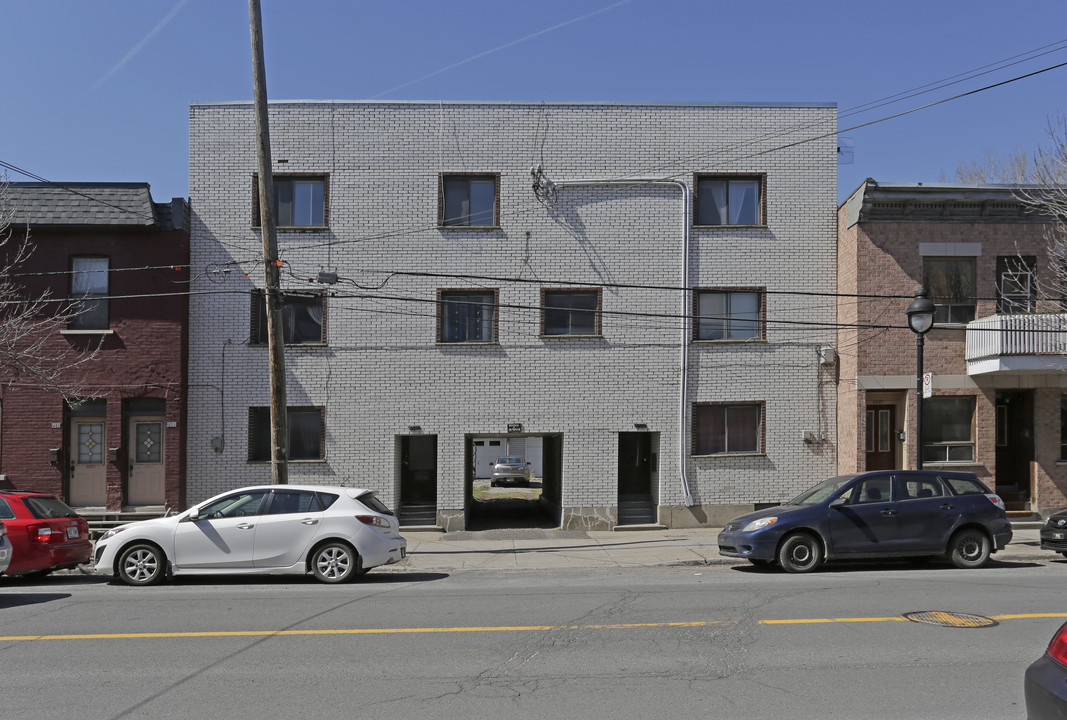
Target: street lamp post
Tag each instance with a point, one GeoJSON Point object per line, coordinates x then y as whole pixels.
{"type": "Point", "coordinates": [920, 320]}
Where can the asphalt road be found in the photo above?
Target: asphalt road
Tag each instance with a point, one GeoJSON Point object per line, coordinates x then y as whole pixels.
{"type": "Point", "coordinates": [684, 642]}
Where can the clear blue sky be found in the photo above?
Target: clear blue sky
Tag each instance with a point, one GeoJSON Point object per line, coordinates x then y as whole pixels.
{"type": "Point", "coordinates": [99, 91]}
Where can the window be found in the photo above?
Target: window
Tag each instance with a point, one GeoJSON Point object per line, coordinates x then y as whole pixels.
{"type": "Point", "coordinates": [466, 317]}
{"type": "Point", "coordinates": [299, 201]}
{"type": "Point", "coordinates": [729, 200]}
{"type": "Point", "coordinates": [242, 504]}
{"type": "Point", "coordinates": [570, 312]}
{"type": "Point", "coordinates": [720, 429]}
{"type": "Point", "coordinates": [285, 502]}
{"type": "Point", "coordinates": [1063, 427]}
{"type": "Point", "coordinates": [468, 200]}
{"type": "Point", "coordinates": [88, 290]}
{"type": "Point", "coordinates": [948, 429]}
{"type": "Point", "coordinates": [729, 315]}
{"type": "Point", "coordinates": [307, 429]}
{"type": "Point", "coordinates": [302, 319]}
{"type": "Point", "coordinates": [915, 488]}
{"type": "Point", "coordinates": [950, 282]}
{"type": "Point", "coordinates": [1015, 284]}
{"type": "Point", "coordinates": [876, 489]}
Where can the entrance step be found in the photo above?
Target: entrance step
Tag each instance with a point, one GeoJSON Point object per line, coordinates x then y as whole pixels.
{"type": "Point", "coordinates": [636, 528]}
{"type": "Point", "coordinates": [417, 514]}
{"type": "Point", "coordinates": [100, 521]}
{"type": "Point", "coordinates": [636, 510]}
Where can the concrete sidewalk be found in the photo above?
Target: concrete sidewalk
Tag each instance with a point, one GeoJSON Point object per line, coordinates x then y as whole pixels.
{"type": "Point", "coordinates": [554, 549]}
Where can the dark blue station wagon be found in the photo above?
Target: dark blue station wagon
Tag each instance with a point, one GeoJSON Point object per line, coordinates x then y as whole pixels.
{"type": "Point", "coordinates": [882, 514]}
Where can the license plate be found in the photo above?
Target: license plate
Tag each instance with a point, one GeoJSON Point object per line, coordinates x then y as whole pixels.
{"type": "Point", "coordinates": [72, 531]}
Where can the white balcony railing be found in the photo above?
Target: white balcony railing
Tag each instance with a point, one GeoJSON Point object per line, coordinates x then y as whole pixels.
{"type": "Point", "coordinates": [1017, 343]}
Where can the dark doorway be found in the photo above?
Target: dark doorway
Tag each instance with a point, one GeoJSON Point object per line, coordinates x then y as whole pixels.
{"type": "Point", "coordinates": [1015, 447]}
{"type": "Point", "coordinates": [418, 480]}
{"type": "Point", "coordinates": [636, 505]}
{"type": "Point", "coordinates": [881, 443]}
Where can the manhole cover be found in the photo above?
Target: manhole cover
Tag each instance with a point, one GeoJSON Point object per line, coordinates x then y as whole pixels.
{"type": "Point", "coordinates": [950, 619]}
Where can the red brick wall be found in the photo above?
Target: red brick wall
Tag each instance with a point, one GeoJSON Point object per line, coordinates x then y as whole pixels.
{"type": "Point", "coordinates": [144, 358]}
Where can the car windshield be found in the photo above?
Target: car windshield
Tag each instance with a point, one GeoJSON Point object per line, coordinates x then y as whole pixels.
{"type": "Point", "coordinates": [509, 461]}
{"type": "Point", "coordinates": [822, 491]}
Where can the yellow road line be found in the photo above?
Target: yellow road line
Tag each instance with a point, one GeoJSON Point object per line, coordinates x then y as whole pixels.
{"type": "Point", "coordinates": [474, 629]}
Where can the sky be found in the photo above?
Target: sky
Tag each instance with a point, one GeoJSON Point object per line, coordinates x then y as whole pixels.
{"type": "Point", "coordinates": [100, 91]}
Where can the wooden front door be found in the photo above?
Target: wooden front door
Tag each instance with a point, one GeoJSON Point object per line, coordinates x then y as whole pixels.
{"type": "Point", "coordinates": [88, 471]}
{"type": "Point", "coordinates": [881, 437]}
{"type": "Point", "coordinates": [147, 471]}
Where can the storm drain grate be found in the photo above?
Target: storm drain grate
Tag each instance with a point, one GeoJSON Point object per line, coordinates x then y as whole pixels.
{"type": "Point", "coordinates": [950, 619]}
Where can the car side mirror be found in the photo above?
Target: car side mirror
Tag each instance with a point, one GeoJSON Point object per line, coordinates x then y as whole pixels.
{"type": "Point", "coordinates": [839, 502]}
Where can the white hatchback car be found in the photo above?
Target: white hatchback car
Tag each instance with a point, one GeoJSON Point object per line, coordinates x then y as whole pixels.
{"type": "Point", "coordinates": [334, 532]}
{"type": "Point", "coordinates": [5, 549]}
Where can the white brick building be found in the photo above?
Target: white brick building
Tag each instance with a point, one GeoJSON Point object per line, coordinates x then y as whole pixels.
{"type": "Point", "coordinates": [437, 336]}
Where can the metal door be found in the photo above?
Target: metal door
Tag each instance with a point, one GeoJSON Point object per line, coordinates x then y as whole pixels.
{"type": "Point", "coordinates": [88, 473]}
{"type": "Point", "coordinates": [145, 484]}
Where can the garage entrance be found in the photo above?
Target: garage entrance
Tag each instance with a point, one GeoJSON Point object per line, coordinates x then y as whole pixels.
{"type": "Point", "coordinates": [510, 504]}
{"type": "Point", "coordinates": [417, 470]}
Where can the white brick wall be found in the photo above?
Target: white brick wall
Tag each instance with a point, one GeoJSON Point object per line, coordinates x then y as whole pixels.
{"type": "Point", "coordinates": [382, 371]}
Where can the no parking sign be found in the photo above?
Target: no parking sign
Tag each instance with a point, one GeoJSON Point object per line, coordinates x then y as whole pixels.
{"type": "Point", "coordinates": [928, 384]}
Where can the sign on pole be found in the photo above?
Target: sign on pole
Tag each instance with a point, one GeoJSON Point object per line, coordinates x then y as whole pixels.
{"type": "Point", "coordinates": [928, 384]}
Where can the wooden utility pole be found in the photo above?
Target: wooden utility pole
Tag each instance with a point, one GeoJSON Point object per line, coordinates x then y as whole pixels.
{"type": "Point", "coordinates": [279, 421]}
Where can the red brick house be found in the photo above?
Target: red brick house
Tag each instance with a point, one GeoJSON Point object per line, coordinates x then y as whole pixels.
{"type": "Point", "coordinates": [997, 350]}
{"type": "Point", "coordinates": [120, 443]}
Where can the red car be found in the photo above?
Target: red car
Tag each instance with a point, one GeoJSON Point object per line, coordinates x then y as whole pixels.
{"type": "Point", "coordinates": [45, 533]}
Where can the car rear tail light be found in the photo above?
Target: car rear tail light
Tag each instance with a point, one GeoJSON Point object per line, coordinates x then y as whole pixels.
{"type": "Point", "coordinates": [39, 533]}
{"type": "Point", "coordinates": [995, 499]}
{"type": "Point", "coordinates": [1057, 649]}
{"type": "Point", "coordinates": [373, 521]}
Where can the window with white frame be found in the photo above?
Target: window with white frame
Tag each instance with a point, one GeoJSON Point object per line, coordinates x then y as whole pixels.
{"type": "Point", "coordinates": [465, 316]}
{"type": "Point", "coordinates": [948, 429]}
{"type": "Point", "coordinates": [89, 293]}
{"type": "Point", "coordinates": [729, 200]}
{"type": "Point", "coordinates": [307, 433]}
{"type": "Point", "coordinates": [302, 318]}
{"type": "Point", "coordinates": [950, 283]}
{"type": "Point", "coordinates": [1015, 284]}
{"type": "Point", "coordinates": [570, 312]}
{"type": "Point", "coordinates": [468, 200]}
{"type": "Point", "coordinates": [729, 314]}
{"type": "Point", "coordinates": [720, 428]}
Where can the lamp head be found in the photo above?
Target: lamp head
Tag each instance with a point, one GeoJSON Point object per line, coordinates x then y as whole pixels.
{"type": "Point", "coordinates": [920, 313]}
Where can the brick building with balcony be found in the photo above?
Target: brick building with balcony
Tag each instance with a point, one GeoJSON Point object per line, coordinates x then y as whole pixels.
{"type": "Point", "coordinates": [117, 440]}
{"type": "Point", "coordinates": [997, 350]}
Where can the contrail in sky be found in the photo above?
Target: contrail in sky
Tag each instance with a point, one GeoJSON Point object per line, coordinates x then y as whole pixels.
{"type": "Point", "coordinates": [137, 48]}
{"type": "Point", "coordinates": [502, 47]}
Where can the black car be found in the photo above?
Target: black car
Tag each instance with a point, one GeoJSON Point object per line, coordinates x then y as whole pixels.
{"type": "Point", "coordinates": [1045, 682]}
{"type": "Point", "coordinates": [888, 513]}
{"type": "Point", "coordinates": [1054, 533]}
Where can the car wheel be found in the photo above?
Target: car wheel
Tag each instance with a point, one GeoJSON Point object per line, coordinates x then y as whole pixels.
{"type": "Point", "coordinates": [800, 553]}
{"type": "Point", "coordinates": [335, 562]}
{"type": "Point", "coordinates": [969, 548]}
{"type": "Point", "coordinates": [141, 565]}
